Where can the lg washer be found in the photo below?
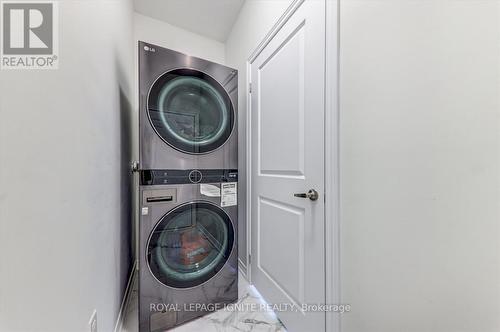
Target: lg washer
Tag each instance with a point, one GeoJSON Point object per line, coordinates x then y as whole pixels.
{"type": "Point", "coordinates": [188, 263]}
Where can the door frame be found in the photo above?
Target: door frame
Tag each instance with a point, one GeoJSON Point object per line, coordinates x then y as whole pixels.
{"type": "Point", "coordinates": [332, 188]}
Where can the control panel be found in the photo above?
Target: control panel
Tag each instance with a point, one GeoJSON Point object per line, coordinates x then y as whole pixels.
{"type": "Point", "coordinates": [175, 176]}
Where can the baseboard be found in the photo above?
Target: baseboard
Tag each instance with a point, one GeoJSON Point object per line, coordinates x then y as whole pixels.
{"type": "Point", "coordinates": [121, 313]}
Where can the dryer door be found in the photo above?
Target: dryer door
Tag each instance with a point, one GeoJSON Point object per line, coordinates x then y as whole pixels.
{"type": "Point", "coordinates": [190, 111]}
{"type": "Point", "coordinates": [190, 244]}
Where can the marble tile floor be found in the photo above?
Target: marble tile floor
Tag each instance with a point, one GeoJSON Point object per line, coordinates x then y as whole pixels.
{"type": "Point", "coordinates": [219, 321]}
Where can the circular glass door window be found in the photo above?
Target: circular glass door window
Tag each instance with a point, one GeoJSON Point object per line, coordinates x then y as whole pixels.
{"type": "Point", "coordinates": [190, 111]}
{"type": "Point", "coordinates": [190, 244]}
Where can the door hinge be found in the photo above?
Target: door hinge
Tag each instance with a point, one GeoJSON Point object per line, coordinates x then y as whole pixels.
{"type": "Point", "coordinates": [249, 259]}
{"type": "Point", "coordinates": [249, 87]}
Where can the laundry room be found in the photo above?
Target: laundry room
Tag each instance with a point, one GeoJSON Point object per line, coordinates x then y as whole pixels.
{"type": "Point", "coordinates": [249, 165]}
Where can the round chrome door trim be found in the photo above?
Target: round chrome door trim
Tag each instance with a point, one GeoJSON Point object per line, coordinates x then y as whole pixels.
{"type": "Point", "coordinates": [157, 224]}
{"type": "Point", "coordinates": [221, 125]}
{"type": "Point", "coordinates": [169, 144]}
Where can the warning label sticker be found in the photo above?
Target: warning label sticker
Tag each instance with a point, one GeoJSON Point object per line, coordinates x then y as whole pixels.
{"type": "Point", "coordinates": [229, 194]}
{"type": "Point", "coordinates": [209, 190]}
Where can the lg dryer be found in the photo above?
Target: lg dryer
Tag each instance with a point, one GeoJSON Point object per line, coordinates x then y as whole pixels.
{"type": "Point", "coordinates": [188, 111]}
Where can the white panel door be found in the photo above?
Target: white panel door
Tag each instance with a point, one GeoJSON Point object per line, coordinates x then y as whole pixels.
{"type": "Point", "coordinates": [287, 145]}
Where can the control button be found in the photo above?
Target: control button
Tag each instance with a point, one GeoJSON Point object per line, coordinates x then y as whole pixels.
{"type": "Point", "coordinates": [195, 176]}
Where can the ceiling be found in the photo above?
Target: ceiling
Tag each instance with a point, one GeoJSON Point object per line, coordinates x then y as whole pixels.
{"type": "Point", "coordinates": [210, 18]}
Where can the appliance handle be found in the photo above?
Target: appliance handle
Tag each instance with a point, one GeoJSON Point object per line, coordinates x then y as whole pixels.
{"type": "Point", "coordinates": [159, 199]}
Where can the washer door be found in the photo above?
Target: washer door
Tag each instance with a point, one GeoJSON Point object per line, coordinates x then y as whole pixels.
{"type": "Point", "coordinates": [190, 244]}
{"type": "Point", "coordinates": [190, 111]}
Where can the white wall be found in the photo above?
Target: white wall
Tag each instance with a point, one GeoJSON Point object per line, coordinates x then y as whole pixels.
{"type": "Point", "coordinates": [166, 35]}
{"type": "Point", "coordinates": [420, 152]}
{"type": "Point", "coordinates": [64, 176]}
{"type": "Point", "coordinates": [255, 20]}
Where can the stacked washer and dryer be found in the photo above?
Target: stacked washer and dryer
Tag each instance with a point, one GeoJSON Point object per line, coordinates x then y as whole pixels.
{"type": "Point", "coordinates": [188, 187]}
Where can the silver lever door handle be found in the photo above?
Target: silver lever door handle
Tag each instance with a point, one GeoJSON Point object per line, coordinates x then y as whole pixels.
{"type": "Point", "coordinates": [311, 194]}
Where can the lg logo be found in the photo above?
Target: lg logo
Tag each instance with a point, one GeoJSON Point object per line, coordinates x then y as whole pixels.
{"type": "Point", "coordinates": [29, 28]}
